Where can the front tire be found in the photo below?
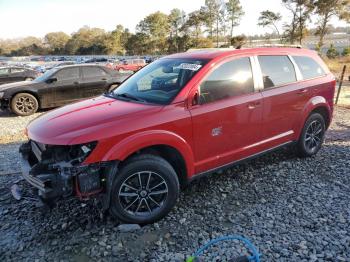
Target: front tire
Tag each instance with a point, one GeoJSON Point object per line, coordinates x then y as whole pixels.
{"type": "Point", "coordinates": [312, 136]}
{"type": "Point", "coordinates": [144, 191]}
{"type": "Point", "coordinates": [24, 104]}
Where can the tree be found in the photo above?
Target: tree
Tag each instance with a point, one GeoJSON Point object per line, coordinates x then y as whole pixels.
{"type": "Point", "coordinates": [194, 24]}
{"type": "Point", "coordinates": [176, 21]}
{"type": "Point", "coordinates": [211, 15]}
{"type": "Point", "coordinates": [138, 44]}
{"type": "Point", "coordinates": [235, 12]}
{"type": "Point", "coordinates": [345, 14]}
{"type": "Point", "coordinates": [87, 41]}
{"type": "Point", "coordinates": [301, 11]}
{"type": "Point", "coordinates": [326, 9]}
{"type": "Point", "coordinates": [270, 19]}
{"type": "Point", "coordinates": [156, 27]}
{"type": "Point", "coordinates": [56, 42]}
{"type": "Point", "coordinates": [238, 41]}
{"type": "Point", "coordinates": [332, 52]}
{"type": "Point", "coordinates": [346, 51]}
{"type": "Point", "coordinates": [115, 41]}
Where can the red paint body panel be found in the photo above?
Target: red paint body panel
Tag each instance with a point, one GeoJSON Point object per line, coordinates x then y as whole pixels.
{"type": "Point", "coordinates": [207, 136]}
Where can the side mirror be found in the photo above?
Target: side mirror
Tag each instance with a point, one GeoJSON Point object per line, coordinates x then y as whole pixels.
{"type": "Point", "coordinates": [51, 80]}
{"type": "Point", "coordinates": [195, 99]}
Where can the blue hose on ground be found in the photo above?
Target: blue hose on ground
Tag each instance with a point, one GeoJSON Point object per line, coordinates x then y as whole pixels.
{"type": "Point", "coordinates": [255, 257]}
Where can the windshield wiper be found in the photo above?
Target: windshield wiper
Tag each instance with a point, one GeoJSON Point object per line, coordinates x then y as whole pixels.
{"type": "Point", "coordinates": [131, 97]}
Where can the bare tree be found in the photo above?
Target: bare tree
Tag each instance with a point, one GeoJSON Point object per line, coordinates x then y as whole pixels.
{"type": "Point", "coordinates": [270, 19]}
{"type": "Point", "coordinates": [301, 11]}
{"type": "Point", "coordinates": [235, 12]}
{"type": "Point", "coordinates": [326, 9]}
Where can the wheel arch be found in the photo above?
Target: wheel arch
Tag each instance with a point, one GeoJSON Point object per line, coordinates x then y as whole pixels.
{"type": "Point", "coordinates": [27, 92]}
{"type": "Point", "coordinates": [168, 153]}
{"type": "Point", "coordinates": [166, 144]}
{"type": "Point", "coordinates": [319, 105]}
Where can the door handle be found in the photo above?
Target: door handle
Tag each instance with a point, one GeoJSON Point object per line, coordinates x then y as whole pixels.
{"type": "Point", "coordinates": [254, 105]}
{"type": "Point", "coordinates": [104, 79]}
{"type": "Point", "coordinates": [303, 91]}
{"type": "Point", "coordinates": [76, 83]}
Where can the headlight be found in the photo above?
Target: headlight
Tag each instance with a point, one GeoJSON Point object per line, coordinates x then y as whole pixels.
{"type": "Point", "coordinates": [74, 154]}
{"type": "Point", "coordinates": [2, 94]}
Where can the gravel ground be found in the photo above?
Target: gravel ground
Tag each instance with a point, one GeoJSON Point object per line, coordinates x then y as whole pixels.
{"type": "Point", "coordinates": [292, 209]}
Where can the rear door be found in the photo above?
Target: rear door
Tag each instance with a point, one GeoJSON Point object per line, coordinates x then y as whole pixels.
{"type": "Point", "coordinates": [227, 120]}
{"type": "Point", "coordinates": [283, 98]}
{"type": "Point", "coordinates": [94, 81]}
{"type": "Point", "coordinates": [4, 75]}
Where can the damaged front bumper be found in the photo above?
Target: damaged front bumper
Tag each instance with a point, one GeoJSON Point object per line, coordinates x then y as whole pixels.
{"type": "Point", "coordinates": [58, 171]}
{"type": "Point", "coordinates": [4, 103]}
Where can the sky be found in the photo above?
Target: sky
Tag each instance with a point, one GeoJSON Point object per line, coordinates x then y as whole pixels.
{"type": "Point", "coordinates": [21, 18]}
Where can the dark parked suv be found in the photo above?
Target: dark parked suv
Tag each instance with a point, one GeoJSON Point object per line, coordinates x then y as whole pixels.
{"type": "Point", "coordinates": [58, 86]}
{"type": "Point", "coordinates": [181, 117]}
{"type": "Point", "coordinates": [15, 74]}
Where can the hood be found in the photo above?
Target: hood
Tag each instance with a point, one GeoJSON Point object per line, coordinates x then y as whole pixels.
{"type": "Point", "coordinates": [89, 120]}
{"type": "Point", "coordinates": [15, 84]}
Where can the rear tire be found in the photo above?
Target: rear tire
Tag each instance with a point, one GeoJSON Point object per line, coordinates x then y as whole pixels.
{"type": "Point", "coordinates": [144, 191]}
{"type": "Point", "coordinates": [24, 104]}
{"type": "Point", "coordinates": [312, 136]}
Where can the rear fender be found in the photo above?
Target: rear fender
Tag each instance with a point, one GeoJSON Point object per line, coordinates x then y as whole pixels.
{"type": "Point", "coordinates": [139, 141]}
{"type": "Point", "coordinates": [315, 102]}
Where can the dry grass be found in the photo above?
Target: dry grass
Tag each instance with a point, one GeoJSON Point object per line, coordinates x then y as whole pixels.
{"type": "Point", "coordinates": [336, 65]}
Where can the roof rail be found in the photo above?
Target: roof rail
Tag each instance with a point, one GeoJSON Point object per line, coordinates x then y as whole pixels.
{"type": "Point", "coordinates": [210, 49]}
{"type": "Point", "coordinates": [277, 45]}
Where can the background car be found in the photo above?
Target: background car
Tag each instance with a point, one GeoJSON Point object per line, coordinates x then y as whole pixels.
{"type": "Point", "coordinates": [15, 74]}
{"type": "Point", "coordinates": [50, 66]}
{"type": "Point", "coordinates": [59, 86]}
{"type": "Point", "coordinates": [131, 65]}
{"type": "Point", "coordinates": [97, 60]}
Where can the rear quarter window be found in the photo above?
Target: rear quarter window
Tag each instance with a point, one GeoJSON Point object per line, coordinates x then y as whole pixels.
{"type": "Point", "coordinates": [308, 67]}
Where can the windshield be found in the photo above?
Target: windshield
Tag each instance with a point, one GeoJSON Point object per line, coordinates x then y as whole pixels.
{"type": "Point", "coordinates": [159, 82]}
{"type": "Point", "coordinates": [45, 76]}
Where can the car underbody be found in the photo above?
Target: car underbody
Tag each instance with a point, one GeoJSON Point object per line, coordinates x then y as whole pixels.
{"type": "Point", "coordinates": [57, 172]}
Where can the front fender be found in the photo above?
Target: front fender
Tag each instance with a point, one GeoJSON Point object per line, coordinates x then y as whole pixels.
{"type": "Point", "coordinates": [312, 104]}
{"type": "Point", "coordinates": [138, 141]}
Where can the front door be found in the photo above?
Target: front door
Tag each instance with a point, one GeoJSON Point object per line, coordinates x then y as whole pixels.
{"type": "Point", "coordinates": [227, 120]}
{"type": "Point", "coordinates": [66, 88]}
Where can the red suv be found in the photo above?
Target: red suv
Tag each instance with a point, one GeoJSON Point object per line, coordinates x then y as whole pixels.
{"type": "Point", "coordinates": [178, 118]}
{"type": "Point", "coordinates": [131, 65]}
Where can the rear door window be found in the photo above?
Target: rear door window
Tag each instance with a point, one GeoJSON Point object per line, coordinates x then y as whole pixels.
{"type": "Point", "coordinates": [276, 70]}
{"type": "Point", "coordinates": [309, 68]}
{"type": "Point", "coordinates": [91, 71]}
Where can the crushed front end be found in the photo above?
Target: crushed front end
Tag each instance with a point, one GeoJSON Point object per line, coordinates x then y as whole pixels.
{"type": "Point", "coordinates": [58, 171]}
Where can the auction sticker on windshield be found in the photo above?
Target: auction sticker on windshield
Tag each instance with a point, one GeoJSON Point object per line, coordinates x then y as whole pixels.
{"type": "Point", "coordinates": [192, 67]}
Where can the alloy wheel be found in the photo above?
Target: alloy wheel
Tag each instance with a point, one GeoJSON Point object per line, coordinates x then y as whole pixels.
{"type": "Point", "coordinates": [25, 104]}
{"type": "Point", "coordinates": [143, 193]}
{"type": "Point", "coordinates": [313, 136]}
